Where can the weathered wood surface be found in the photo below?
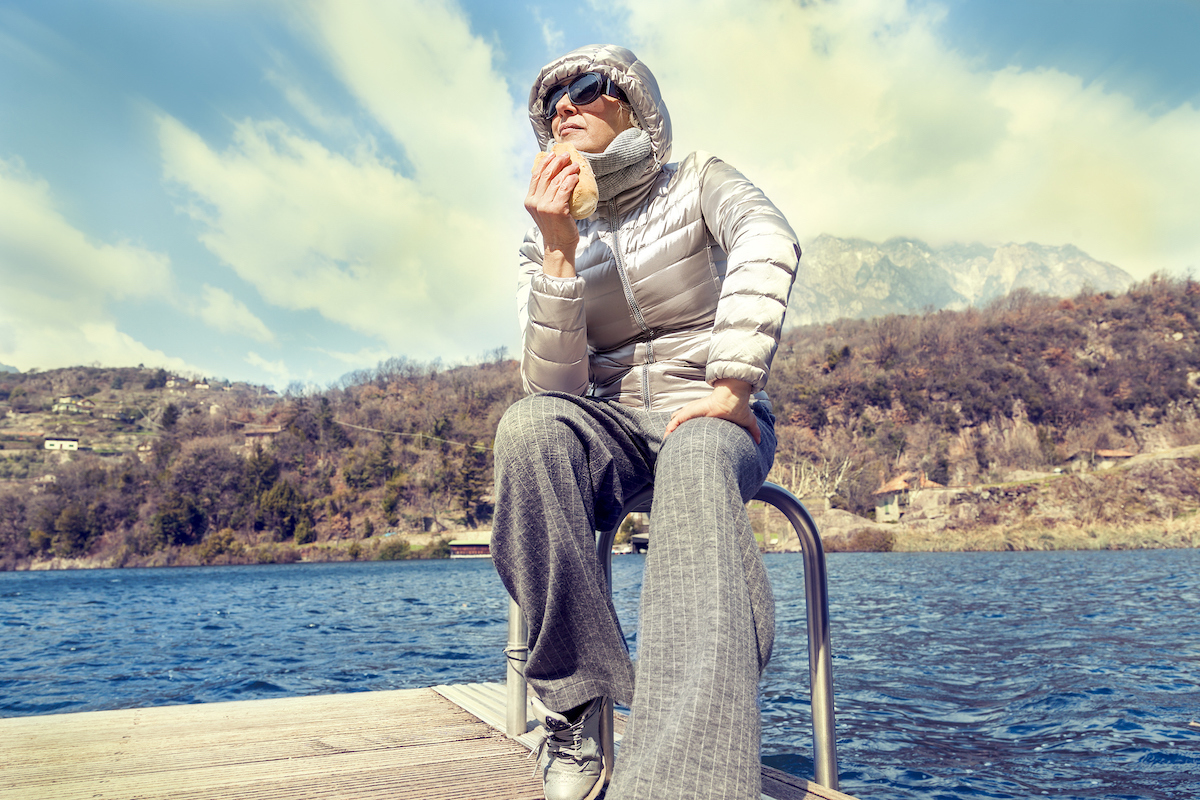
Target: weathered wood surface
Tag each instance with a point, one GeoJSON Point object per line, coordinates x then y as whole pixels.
{"type": "Point", "coordinates": [410, 744]}
{"type": "Point", "coordinates": [487, 701]}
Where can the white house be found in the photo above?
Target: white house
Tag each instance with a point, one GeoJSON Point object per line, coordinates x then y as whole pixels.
{"type": "Point", "coordinates": [73, 404]}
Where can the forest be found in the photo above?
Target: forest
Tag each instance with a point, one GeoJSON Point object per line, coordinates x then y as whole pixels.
{"type": "Point", "coordinates": [394, 461]}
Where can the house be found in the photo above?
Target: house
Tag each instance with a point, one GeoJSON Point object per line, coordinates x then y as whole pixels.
{"type": "Point", "coordinates": [895, 493]}
{"type": "Point", "coordinates": [1106, 459]}
{"type": "Point", "coordinates": [477, 545]}
{"type": "Point", "coordinates": [61, 443]}
{"type": "Point", "coordinates": [73, 404]}
{"type": "Point", "coordinates": [261, 435]}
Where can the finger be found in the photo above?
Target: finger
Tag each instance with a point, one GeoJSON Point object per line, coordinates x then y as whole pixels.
{"type": "Point", "coordinates": [678, 418]}
{"type": "Point", "coordinates": [552, 207]}
{"type": "Point", "coordinates": [541, 176]}
{"type": "Point", "coordinates": [551, 190]}
{"type": "Point", "coordinates": [565, 188]}
{"type": "Point", "coordinates": [753, 428]}
{"type": "Point", "coordinates": [551, 168]}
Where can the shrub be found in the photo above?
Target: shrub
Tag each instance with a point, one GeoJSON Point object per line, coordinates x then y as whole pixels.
{"type": "Point", "coordinates": [393, 549]}
{"type": "Point", "coordinates": [221, 543]}
{"type": "Point", "coordinates": [39, 540]}
{"type": "Point", "coordinates": [438, 548]}
{"type": "Point", "coordinates": [178, 521]}
{"type": "Point", "coordinates": [305, 534]}
{"type": "Point", "coordinates": [871, 540]}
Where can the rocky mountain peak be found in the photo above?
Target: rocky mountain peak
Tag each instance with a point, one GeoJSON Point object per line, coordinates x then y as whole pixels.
{"type": "Point", "coordinates": [858, 279]}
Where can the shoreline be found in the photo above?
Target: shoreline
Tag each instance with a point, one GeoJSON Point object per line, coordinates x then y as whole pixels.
{"type": "Point", "coordinates": [1171, 535]}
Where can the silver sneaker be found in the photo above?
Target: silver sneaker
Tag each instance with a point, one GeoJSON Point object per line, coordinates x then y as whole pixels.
{"type": "Point", "coordinates": [569, 755]}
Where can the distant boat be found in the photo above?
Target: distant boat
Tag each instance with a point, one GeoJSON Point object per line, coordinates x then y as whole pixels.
{"type": "Point", "coordinates": [622, 549]}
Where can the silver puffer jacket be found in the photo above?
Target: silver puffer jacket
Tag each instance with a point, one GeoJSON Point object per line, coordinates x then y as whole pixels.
{"type": "Point", "coordinates": [681, 280]}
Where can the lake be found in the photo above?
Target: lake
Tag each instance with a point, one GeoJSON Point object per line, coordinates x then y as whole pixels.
{"type": "Point", "coordinates": [964, 675]}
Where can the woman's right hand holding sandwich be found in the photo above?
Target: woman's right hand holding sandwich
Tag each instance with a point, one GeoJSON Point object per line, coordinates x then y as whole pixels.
{"type": "Point", "coordinates": [548, 202]}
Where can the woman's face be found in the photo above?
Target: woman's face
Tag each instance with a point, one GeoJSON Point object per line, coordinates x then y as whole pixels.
{"type": "Point", "coordinates": [590, 127]}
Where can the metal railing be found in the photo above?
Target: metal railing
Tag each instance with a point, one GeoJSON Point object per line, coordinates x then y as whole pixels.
{"type": "Point", "coordinates": [816, 595]}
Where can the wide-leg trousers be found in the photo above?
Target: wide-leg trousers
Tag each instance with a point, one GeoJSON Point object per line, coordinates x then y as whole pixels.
{"type": "Point", "coordinates": [564, 467]}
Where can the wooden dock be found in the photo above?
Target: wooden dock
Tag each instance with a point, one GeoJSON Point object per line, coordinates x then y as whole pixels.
{"type": "Point", "coordinates": [412, 744]}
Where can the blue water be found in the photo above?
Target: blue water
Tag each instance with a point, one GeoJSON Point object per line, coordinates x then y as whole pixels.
{"type": "Point", "coordinates": [994, 675]}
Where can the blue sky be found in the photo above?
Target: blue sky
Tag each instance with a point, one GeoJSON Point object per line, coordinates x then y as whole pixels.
{"type": "Point", "coordinates": [285, 192]}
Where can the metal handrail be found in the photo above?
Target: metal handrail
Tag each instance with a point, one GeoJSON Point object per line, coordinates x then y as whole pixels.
{"type": "Point", "coordinates": [816, 597]}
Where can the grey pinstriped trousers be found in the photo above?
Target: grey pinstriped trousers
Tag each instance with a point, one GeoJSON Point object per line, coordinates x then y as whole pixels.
{"type": "Point", "coordinates": [565, 466]}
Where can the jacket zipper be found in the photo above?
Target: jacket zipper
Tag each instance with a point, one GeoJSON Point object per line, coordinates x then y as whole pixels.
{"type": "Point", "coordinates": [633, 306]}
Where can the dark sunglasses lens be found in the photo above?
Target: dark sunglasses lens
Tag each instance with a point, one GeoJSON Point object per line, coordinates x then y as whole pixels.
{"type": "Point", "coordinates": [550, 107]}
{"type": "Point", "coordinates": [584, 89]}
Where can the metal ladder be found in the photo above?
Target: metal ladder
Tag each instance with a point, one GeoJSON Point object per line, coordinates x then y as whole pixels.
{"type": "Point", "coordinates": [820, 666]}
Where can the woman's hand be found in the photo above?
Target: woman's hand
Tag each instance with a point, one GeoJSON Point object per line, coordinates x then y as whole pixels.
{"type": "Point", "coordinates": [730, 400]}
{"type": "Point", "coordinates": [548, 202]}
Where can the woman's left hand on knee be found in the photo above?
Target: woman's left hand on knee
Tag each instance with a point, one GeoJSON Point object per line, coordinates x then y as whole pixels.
{"type": "Point", "coordinates": [730, 400]}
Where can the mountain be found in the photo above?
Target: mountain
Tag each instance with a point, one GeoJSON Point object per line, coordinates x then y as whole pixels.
{"type": "Point", "coordinates": [858, 279]}
{"type": "Point", "coordinates": [7, 368]}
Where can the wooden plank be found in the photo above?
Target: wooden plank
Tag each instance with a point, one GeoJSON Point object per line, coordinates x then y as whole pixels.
{"type": "Point", "coordinates": [409, 744]}
{"type": "Point", "coordinates": [488, 702]}
{"type": "Point", "coordinates": [779, 785]}
{"type": "Point", "coordinates": [400, 745]}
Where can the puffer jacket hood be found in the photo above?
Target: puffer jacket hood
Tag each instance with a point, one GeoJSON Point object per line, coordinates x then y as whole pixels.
{"type": "Point", "coordinates": [627, 72]}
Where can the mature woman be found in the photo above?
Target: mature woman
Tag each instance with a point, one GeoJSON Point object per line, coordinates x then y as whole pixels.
{"type": "Point", "coordinates": [649, 329]}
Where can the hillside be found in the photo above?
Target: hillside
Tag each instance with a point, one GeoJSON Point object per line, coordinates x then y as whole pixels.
{"type": "Point", "coordinates": [1033, 422]}
{"type": "Point", "coordinates": [173, 471]}
{"type": "Point", "coordinates": [1033, 391]}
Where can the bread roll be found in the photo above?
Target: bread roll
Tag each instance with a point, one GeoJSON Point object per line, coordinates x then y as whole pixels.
{"type": "Point", "coordinates": [586, 196]}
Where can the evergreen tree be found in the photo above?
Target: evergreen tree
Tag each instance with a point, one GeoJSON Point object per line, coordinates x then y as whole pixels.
{"type": "Point", "coordinates": [72, 531]}
{"type": "Point", "coordinates": [178, 522]}
{"type": "Point", "coordinates": [282, 509]}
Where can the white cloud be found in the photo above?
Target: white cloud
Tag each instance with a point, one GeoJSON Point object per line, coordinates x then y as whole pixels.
{"type": "Point", "coordinates": [436, 89]}
{"type": "Point", "coordinates": [859, 120]}
{"type": "Point", "coordinates": [277, 369]}
{"type": "Point", "coordinates": [224, 312]}
{"type": "Point", "coordinates": [362, 359]}
{"type": "Point", "coordinates": [309, 109]}
{"type": "Point", "coordinates": [424, 262]}
{"type": "Point", "coordinates": [57, 283]}
{"type": "Point", "coordinates": [552, 36]}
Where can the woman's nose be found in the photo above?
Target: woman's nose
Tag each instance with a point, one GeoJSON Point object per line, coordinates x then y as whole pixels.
{"type": "Point", "coordinates": [564, 106]}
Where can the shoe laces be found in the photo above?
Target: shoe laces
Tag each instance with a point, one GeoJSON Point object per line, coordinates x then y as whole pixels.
{"type": "Point", "coordinates": [561, 741]}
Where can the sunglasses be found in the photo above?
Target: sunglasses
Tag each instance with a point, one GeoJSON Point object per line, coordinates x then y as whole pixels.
{"type": "Point", "coordinates": [583, 90]}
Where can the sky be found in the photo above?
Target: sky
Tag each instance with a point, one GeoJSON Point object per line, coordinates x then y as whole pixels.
{"type": "Point", "coordinates": [288, 191]}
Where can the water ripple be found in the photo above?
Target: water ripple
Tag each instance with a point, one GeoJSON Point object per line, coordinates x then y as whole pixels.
{"type": "Point", "coordinates": [1069, 675]}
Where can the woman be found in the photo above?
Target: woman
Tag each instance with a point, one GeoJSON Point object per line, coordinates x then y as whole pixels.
{"type": "Point", "coordinates": [648, 329]}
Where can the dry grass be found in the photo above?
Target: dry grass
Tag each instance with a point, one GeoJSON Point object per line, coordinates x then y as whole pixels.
{"type": "Point", "coordinates": [1180, 532]}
